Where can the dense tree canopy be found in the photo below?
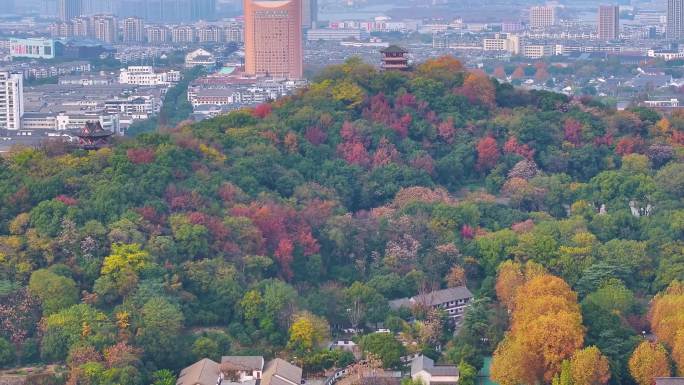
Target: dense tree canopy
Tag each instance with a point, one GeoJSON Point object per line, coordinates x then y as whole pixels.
{"type": "Point", "coordinates": [252, 232]}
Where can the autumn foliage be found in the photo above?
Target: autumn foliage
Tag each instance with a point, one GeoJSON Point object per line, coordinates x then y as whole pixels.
{"type": "Point", "coordinates": [546, 326]}
{"type": "Point", "coordinates": [487, 153]}
{"type": "Point", "coordinates": [478, 89]}
{"type": "Point", "coordinates": [667, 321]}
{"type": "Point", "coordinates": [649, 361]}
{"type": "Point", "coordinates": [589, 367]}
{"type": "Point", "coordinates": [262, 110]}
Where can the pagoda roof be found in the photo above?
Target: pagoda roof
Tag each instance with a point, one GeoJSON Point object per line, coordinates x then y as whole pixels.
{"type": "Point", "coordinates": [393, 49]}
{"type": "Point", "coordinates": [93, 130]}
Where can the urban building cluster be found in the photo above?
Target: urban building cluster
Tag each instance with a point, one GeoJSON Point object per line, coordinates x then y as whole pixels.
{"type": "Point", "coordinates": [134, 30]}
{"type": "Point", "coordinates": [113, 100]}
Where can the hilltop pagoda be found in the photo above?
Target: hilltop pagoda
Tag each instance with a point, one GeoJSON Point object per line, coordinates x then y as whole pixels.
{"type": "Point", "coordinates": [92, 136]}
{"type": "Point", "coordinates": [394, 58]}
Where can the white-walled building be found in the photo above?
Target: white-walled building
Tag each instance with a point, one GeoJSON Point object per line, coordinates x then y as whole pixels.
{"type": "Point", "coordinates": [146, 76]}
{"type": "Point", "coordinates": [11, 100]}
{"type": "Point", "coordinates": [200, 57]}
{"type": "Point", "coordinates": [502, 42]}
{"type": "Point", "coordinates": [425, 370]}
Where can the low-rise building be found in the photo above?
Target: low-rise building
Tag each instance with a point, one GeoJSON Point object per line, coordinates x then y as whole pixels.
{"type": "Point", "coordinates": [247, 370]}
{"type": "Point", "coordinates": [666, 55]}
{"type": "Point", "coordinates": [336, 34]}
{"type": "Point", "coordinates": [147, 76]}
{"type": "Point", "coordinates": [34, 48]}
{"type": "Point", "coordinates": [423, 369]}
{"type": "Point", "coordinates": [62, 121]}
{"type": "Point", "coordinates": [454, 301]}
{"type": "Point", "coordinates": [200, 57]}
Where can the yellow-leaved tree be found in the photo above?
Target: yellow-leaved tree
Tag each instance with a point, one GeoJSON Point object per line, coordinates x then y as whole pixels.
{"type": "Point", "coordinates": [589, 367]}
{"type": "Point", "coordinates": [546, 326]}
{"type": "Point", "coordinates": [648, 361]}
{"type": "Point", "coordinates": [307, 332]}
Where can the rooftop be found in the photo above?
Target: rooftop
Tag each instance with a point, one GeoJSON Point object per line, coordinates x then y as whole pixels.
{"type": "Point", "coordinates": [422, 363]}
{"type": "Point", "coordinates": [202, 372]}
{"type": "Point", "coordinates": [433, 298]}
{"type": "Point", "coordinates": [393, 49]}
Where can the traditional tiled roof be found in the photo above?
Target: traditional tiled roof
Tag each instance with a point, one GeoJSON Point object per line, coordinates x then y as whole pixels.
{"type": "Point", "coordinates": [202, 372]}
{"type": "Point", "coordinates": [393, 49]}
{"type": "Point", "coordinates": [434, 298]}
{"type": "Point", "coordinates": [281, 372]}
{"type": "Point", "coordinates": [244, 363]}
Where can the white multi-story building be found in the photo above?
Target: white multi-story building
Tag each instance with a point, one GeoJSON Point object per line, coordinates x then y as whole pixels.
{"type": "Point", "coordinates": [234, 32]}
{"type": "Point", "coordinates": [157, 34]}
{"type": "Point", "coordinates": [542, 16]}
{"type": "Point", "coordinates": [508, 43]}
{"type": "Point", "coordinates": [34, 121]}
{"type": "Point", "coordinates": [210, 34]}
{"type": "Point", "coordinates": [138, 107]}
{"type": "Point", "coordinates": [11, 100]}
{"type": "Point", "coordinates": [146, 76]}
{"type": "Point", "coordinates": [183, 34]}
{"type": "Point", "coordinates": [538, 51]}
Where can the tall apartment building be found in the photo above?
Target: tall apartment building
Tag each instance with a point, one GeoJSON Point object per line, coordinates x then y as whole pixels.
{"type": "Point", "coordinates": [133, 30]}
{"type": "Point", "coordinates": [542, 16]}
{"type": "Point", "coordinates": [234, 32]}
{"type": "Point", "coordinates": [609, 22]}
{"type": "Point", "coordinates": [105, 28]}
{"type": "Point", "coordinates": [273, 38]}
{"type": "Point", "coordinates": [11, 100]}
{"type": "Point", "coordinates": [62, 30]}
{"type": "Point", "coordinates": [81, 27]}
{"type": "Point", "coordinates": [309, 13]}
{"type": "Point", "coordinates": [69, 9]}
{"type": "Point", "coordinates": [202, 9]}
{"type": "Point", "coordinates": [675, 19]}
{"type": "Point", "coordinates": [210, 34]}
{"type": "Point", "coordinates": [183, 34]}
{"type": "Point", "coordinates": [157, 34]}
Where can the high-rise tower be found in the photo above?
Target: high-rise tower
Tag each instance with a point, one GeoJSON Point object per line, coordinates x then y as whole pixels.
{"type": "Point", "coordinates": [609, 22]}
{"type": "Point", "coordinates": [133, 30]}
{"type": "Point", "coordinates": [273, 38]}
{"type": "Point", "coordinates": [69, 9]}
{"type": "Point", "coordinates": [11, 100]}
{"type": "Point", "coordinates": [675, 19]}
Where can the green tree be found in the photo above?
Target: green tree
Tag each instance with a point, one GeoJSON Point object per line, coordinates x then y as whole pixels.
{"type": "Point", "coordinates": [55, 292]}
{"type": "Point", "coordinates": [163, 377]}
{"type": "Point", "coordinates": [47, 216]}
{"type": "Point", "coordinates": [467, 374]}
{"type": "Point", "coordinates": [159, 326]}
{"type": "Point", "coordinates": [384, 346]}
{"type": "Point", "coordinates": [6, 353]}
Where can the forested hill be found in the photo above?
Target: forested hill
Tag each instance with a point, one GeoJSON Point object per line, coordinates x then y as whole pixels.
{"type": "Point", "coordinates": [368, 186]}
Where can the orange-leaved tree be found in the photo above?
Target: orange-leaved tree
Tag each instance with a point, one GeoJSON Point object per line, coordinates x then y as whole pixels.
{"type": "Point", "coordinates": [546, 325]}
{"type": "Point", "coordinates": [667, 321]}
{"type": "Point", "coordinates": [648, 361]}
{"type": "Point", "coordinates": [589, 367]}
